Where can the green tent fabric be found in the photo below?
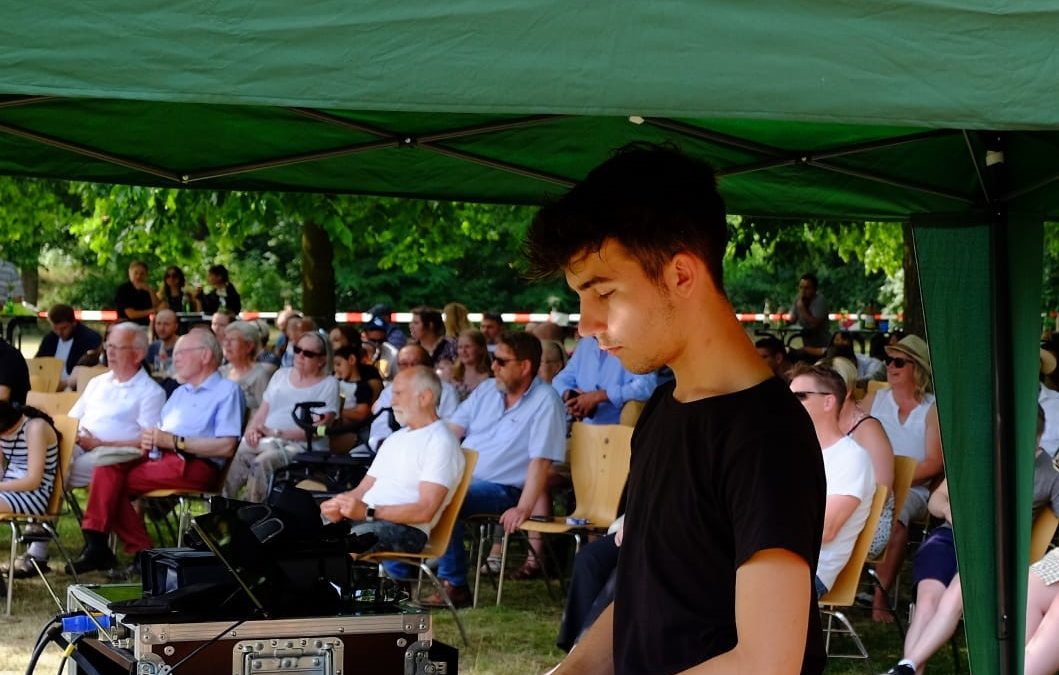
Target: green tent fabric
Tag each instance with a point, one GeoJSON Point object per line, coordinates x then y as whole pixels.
{"type": "Point", "coordinates": [830, 109]}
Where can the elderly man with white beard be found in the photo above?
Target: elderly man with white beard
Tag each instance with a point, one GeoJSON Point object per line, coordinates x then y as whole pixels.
{"type": "Point", "coordinates": [413, 476]}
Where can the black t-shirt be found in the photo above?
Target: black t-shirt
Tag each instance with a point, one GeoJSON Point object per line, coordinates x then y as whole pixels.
{"type": "Point", "coordinates": [14, 373]}
{"type": "Point", "coordinates": [130, 297]}
{"type": "Point", "coordinates": [711, 483]}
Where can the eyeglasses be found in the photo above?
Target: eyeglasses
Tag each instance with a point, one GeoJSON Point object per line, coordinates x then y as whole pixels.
{"type": "Point", "coordinates": [897, 361]}
{"type": "Point", "coordinates": [178, 352]}
{"type": "Point", "coordinates": [802, 395]}
{"type": "Point", "coordinates": [501, 361]}
{"type": "Point", "coordinates": [307, 353]}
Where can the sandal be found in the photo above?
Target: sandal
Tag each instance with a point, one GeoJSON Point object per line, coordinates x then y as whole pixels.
{"type": "Point", "coordinates": [529, 570]}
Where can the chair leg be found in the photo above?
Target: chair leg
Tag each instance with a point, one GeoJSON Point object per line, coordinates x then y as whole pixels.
{"type": "Point", "coordinates": [532, 553]}
{"type": "Point", "coordinates": [11, 567]}
{"type": "Point", "coordinates": [75, 507]}
{"type": "Point", "coordinates": [50, 529]}
{"type": "Point", "coordinates": [448, 601]}
{"type": "Point", "coordinates": [184, 520]}
{"type": "Point", "coordinates": [893, 611]}
{"type": "Point", "coordinates": [503, 566]}
{"type": "Point", "coordinates": [478, 563]}
{"type": "Point", "coordinates": [847, 629]}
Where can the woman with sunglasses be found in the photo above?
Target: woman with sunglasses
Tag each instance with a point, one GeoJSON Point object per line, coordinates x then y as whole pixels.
{"type": "Point", "coordinates": [272, 437]}
{"type": "Point", "coordinates": [908, 413]}
{"type": "Point", "coordinates": [171, 294]}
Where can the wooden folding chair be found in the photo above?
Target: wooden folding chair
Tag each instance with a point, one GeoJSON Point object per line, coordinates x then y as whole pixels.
{"type": "Point", "coordinates": [48, 372]}
{"type": "Point", "coordinates": [876, 385]}
{"type": "Point", "coordinates": [599, 466]}
{"type": "Point", "coordinates": [1044, 526]}
{"type": "Point", "coordinates": [439, 540]}
{"type": "Point", "coordinates": [630, 412]}
{"type": "Point", "coordinates": [67, 428]}
{"type": "Point", "coordinates": [184, 499]}
{"type": "Point", "coordinates": [904, 470]}
{"type": "Point", "coordinates": [52, 403]}
{"type": "Point", "coordinates": [86, 373]}
{"type": "Point", "coordinates": [843, 592]}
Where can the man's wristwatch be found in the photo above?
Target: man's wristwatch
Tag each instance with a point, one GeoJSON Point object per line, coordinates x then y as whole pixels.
{"type": "Point", "coordinates": [369, 514]}
{"type": "Point", "coordinates": [180, 443]}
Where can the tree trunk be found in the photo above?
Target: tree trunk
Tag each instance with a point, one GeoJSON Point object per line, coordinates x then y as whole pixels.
{"type": "Point", "coordinates": [31, 283]}
{"type": "Point", "coordinates": [318, 275]}
{"type": "Point", "coordinates": [914, 322]}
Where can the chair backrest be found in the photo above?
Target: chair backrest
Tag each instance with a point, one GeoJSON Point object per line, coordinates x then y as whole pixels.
{"type": "Point", "coordinates": [442, 530]}
{"type": "Point", "coordinates": [67, 428]}
{"type": "Point", "coordinates": [86, 373]}
{"type": "Point", "coordinates": [876, 385]}
{"type": "Point", "coordinates": [53, 403]}
{"type": "Point", "coordinates": [904, 470]}
{"type": "Point", "coordinates": [844, 590]}
{"type": "Point", "coordinates": [49, 368]}
{"type": "Point", "coordinates": [604, 452]}
{"type": "Point", "coordinates": [1044, 525]}
{"type": "Point", "coordinates": [630, 412]}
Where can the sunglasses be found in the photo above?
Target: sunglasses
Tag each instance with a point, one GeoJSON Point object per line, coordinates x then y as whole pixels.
{"type": "Point", "coordinates": [500, 361]}
{"type": "Point", "coordinates": [308, 353]}
{"type": "Point", "coordinates": [802, 395]}
{"type": "Point", "coordinates": [897, 361]}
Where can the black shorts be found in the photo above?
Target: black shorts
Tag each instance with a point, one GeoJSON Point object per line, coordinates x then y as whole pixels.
{"type": "Point", "coordinates": [936, 557]}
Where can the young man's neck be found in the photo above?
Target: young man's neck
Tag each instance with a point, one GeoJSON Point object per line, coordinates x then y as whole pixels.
{"type": "Point", "coordinates": [828, 433]}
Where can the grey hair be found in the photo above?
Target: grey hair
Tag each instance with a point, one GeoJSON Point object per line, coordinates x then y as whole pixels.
{"type": "Point", "coordinates": [139, 333]}
{"type": "Point", "coordinates": [423, 379]}
{"type": "Point", "coordinates": [325, 347]}
{"type": "Point", "coordinates": [246, 330]}
{"type": "Point", "coordinates": [209, 341]}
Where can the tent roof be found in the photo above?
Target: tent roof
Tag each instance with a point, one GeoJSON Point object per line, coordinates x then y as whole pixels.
{"type": "Point", "coordinates": [512, 101]}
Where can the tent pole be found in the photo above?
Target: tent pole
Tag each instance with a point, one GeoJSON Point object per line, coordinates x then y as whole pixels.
{"type": "Point", "coordinates": [1004, 450]}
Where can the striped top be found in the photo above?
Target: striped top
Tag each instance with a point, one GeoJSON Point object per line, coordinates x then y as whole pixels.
{"type": "Point", "coordinates": [16, 456]}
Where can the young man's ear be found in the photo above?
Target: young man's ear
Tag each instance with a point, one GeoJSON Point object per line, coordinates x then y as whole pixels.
{"type": "Point", "coordinates": [682, 273]}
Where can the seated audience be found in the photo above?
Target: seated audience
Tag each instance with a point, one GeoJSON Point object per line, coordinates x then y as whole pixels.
{"type": "Point", "coordinates": [910, 417]}
{"type": "Point", "coordinates": [869, 434]}
{"type": "Point", "coordinates": [219, 321]}
{"type": "Point", "coordinates": [518, 429]}
{"type": "Point", "coordinates": [134, 299]}
{"type": "Point", "coordinates": [68, 340]}
{"type": "Point", "coordinates": [240, 344]}
{"type": "Point", "coordinates": [428, 330]}
{"type": "Point", "coordinates": [383, 424]}
{"type": "Point", "coordinates": [941, 600]}
{"type": "Point", "coordinates": [548, 331]}
{"type": "Point", "coordinates": [385, 355]}
{"type": "Point", "coordinates": [348, 337]}
{"type": "Point", "coordinates": [393, 333]}
{"type": "Point", "coordinates": [868, 367]}
{"type": "Point", "coordinates": [222, 294]}
{"type": "Point", "coordinates": [272, 437]}
{"type": "Point", "coordinates": [411, 479]}
{"type": "Point", "coordinates": [293, 329]}
{"type": "Point", "coordinates": [264, 353]}
{"type": "Point", "coordinates": [847, 468]}
{"type": "Point", "coordinates": [343, 335]}
{"type": "Point", "coordinates": [1049, 400]}
{"type": "Point", "coordinates": [594, 385]}
{"type": "Point", "coordinates": [350, 427]}
{"type": "Point", "coordinates": [772, 352]}
{"type": "Point", "coordinates": [472, 364]}
{"type": "Point", "coordinates": [160, 352]}
{"type": "Point", "coordinates": [199, 428]}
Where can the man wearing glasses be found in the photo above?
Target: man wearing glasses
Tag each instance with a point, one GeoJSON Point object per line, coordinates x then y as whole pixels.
{"type": "Point", "coordinates": [518, 428]}
{"type": "Point", "coordinates": [384, 425]}
{"type": "Point", "coordinates": [197, 433]}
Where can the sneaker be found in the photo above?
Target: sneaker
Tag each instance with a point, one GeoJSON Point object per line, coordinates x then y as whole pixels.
{"type": "Point", "coordinates": [24, 567]}
{"type": "Point", "coordinates": [460, 596]}
{"type": "Point", "coordinates": [91, 560]}
{"type": "Point", "coordinates": [491, 565]}
{"type": "Point", "coordinates": [901, 669]}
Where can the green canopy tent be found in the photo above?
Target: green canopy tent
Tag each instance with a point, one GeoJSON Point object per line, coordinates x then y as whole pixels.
{"type": "Point", "coordinates": [938, 113]}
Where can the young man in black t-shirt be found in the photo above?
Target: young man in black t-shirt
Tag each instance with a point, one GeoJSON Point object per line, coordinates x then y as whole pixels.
{"type": "Point", "coordinates": [726, 488]}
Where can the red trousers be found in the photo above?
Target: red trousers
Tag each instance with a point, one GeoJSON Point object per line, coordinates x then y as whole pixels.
{"type": "Point", "coordinates": [114, 487]}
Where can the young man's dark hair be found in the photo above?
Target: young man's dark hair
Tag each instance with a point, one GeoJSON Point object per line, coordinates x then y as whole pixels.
{"type": "Point", "coordinates": [493, 316]}
{"type": "Point", "coordinates": [348, 352]}
{"type": "Point", "coordinates": [61, 314]}
{"type": "Point", "coordinates": [219, 271]}
{"type": "Point", "coordinates": [525, 345]}
{"type": "Point", "coordinates": [653, 200]}
{"type": "Point", "coordinates": [811, 278]}
{"type": "Point", "coordinates": [431, 318]}
{"type": "Point", "coordinates": [773, 345]}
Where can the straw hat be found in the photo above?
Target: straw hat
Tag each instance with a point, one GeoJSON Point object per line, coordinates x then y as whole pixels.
{"type": "Point", "coordinates": [1047, 362]}
{"type": "Point", "coordinates": [913, 347]}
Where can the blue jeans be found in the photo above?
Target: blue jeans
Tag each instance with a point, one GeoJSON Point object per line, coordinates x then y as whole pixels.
{"type": "Point", "coordinates": [482, 497]}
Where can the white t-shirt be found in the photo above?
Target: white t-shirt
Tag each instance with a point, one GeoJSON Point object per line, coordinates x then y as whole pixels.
{"type": "Point", "coordinates": [849, 471]}
{"type": "Point", "coordinates": [411, 456]}
{"type": "Point", "coordinates": [281, 396]}
{"type": "Point", "coordinates": [119, 411]}
{"type": "Point", "coordinates": [62, 352]}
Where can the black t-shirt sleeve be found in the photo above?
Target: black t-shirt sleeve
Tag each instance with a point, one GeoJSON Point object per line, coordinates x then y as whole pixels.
{"type": "Point", "coordinates": [772, 488]}
{"type": "Point", "coordinates": [233, 302]}
{"type": "Point", "coordinates": [363, 393]}
{"type": "Point", "coordinates": [368, 372]}
{"type": "Point", "coordinates": [14, 373]}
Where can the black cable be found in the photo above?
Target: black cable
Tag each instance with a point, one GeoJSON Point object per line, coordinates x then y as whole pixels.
{"type": "Point", "coordinates": [209, 642]}
{"type": "Point", "coordinates": [53, 633]}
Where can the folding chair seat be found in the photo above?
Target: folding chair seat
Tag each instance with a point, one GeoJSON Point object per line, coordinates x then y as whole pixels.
{"type": "Point", "coordinates": [53, 403]}
{"type": "Point", "coordinates": [45, 373]}
{"type": "Point", "coordinates": [904, 470]}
